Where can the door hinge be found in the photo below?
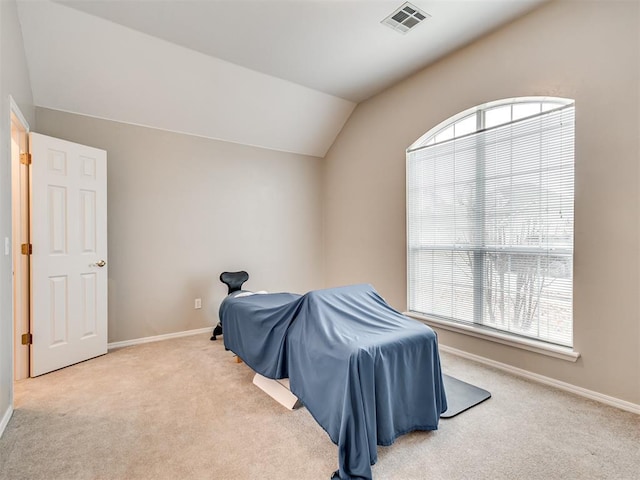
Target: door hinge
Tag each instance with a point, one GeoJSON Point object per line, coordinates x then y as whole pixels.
{"type": "Point", "coordinates": [26, 249]}
{"type": "Point", "coordinates": [27, 339]}
{"type": "Point", "coordinates": [25, 158]}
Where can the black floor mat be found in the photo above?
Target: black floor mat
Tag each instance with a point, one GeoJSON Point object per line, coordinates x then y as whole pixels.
{"type": "Point", "coordinates": [461, 396]}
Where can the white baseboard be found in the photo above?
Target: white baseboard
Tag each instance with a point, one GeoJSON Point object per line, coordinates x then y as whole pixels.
{"type": "Point", "coordinates": [157, 338]}
{"type": "Point", "coordinates": [583, 392]}
{"type": "Point", "coordinates": [5, 419]}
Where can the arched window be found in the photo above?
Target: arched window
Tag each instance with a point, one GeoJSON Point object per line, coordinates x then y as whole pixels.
{"type": "Point", "coordinates": [490, 218]}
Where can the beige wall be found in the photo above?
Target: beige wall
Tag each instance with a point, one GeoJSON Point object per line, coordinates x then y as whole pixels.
{"type": "Point", "coordinates": [14, 81]}
{"type": "Point", "coordinates": [182, 209]}
{"type": "Point", "coordinates": [589, 51]}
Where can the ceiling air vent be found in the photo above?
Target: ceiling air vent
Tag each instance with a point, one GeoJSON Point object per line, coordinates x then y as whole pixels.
{"type": "Point", "coordinates": [405, 18]}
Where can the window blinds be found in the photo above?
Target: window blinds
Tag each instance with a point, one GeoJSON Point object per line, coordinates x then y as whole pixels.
{"type": "Point", "coordinates": [490, 227]}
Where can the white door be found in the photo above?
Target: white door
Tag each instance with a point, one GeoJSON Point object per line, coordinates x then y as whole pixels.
{"type": "Point", "coordinates": [69, 253]}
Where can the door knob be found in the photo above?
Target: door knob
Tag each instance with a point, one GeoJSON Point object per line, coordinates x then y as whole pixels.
{"type": "Point", "coordinates": [101, 263]}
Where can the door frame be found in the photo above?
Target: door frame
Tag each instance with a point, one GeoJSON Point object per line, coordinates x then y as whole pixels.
{"type": "Point", "coordinates": [20, 222]}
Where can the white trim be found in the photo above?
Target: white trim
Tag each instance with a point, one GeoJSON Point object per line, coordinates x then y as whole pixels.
{"type": "Point", "coordinates": [567, 387]}
{"type": "Point", "coordinates": [549, 349]}
{"type": "Point", "coordinates": [13, 108]}
{"type": "Point", "coordinates": [158, 338]}
{"type": "Point", "coordinates": [5, 419]}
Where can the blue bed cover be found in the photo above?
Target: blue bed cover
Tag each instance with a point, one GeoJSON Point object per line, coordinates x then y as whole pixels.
{"type": "Point", "coordinates": [365, 372]}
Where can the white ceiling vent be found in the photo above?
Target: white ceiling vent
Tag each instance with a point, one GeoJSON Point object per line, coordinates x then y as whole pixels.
{"type": "Point", "coordinates": [405, 18]}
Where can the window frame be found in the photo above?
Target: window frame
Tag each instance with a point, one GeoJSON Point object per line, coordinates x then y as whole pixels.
{"type": "Point", "coordinates": [477, 328]}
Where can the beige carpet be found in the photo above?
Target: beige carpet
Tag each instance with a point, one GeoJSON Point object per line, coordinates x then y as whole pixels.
{"type": "Point", "coordinates": [183, 409]}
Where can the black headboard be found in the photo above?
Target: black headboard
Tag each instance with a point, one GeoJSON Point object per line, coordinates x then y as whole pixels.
{"type": "Point", "coordinates": [234, 280]}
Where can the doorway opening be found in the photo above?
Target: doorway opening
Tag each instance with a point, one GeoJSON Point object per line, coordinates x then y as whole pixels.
{"type": "Point", "coordinates": [20, 160]}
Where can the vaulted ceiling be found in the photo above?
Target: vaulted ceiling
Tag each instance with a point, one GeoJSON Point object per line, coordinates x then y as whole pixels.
{"type": "Point", "coordinates": [283, 75]}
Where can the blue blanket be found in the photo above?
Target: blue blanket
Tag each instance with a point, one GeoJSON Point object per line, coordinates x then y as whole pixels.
{"type": "Point", "coordinates": [366, 373]}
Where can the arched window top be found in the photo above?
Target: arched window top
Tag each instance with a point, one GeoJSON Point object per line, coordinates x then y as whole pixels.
{"type": "Point", "coordinates": [489, 115]}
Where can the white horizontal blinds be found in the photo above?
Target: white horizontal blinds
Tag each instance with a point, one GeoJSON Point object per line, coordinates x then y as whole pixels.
{"type": "Point", "coordinates": [490, 226]}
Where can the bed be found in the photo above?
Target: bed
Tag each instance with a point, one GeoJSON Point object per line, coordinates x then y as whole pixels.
{"type": "Point", "coordinates": [364, 371]}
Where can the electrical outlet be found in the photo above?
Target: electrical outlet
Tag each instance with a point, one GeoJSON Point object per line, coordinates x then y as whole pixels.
{"type": "Point", "coordinates": [198, 303]}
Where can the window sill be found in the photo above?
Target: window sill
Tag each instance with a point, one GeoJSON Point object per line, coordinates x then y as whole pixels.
{"type": "Point", "coordinates": [557, 351]}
